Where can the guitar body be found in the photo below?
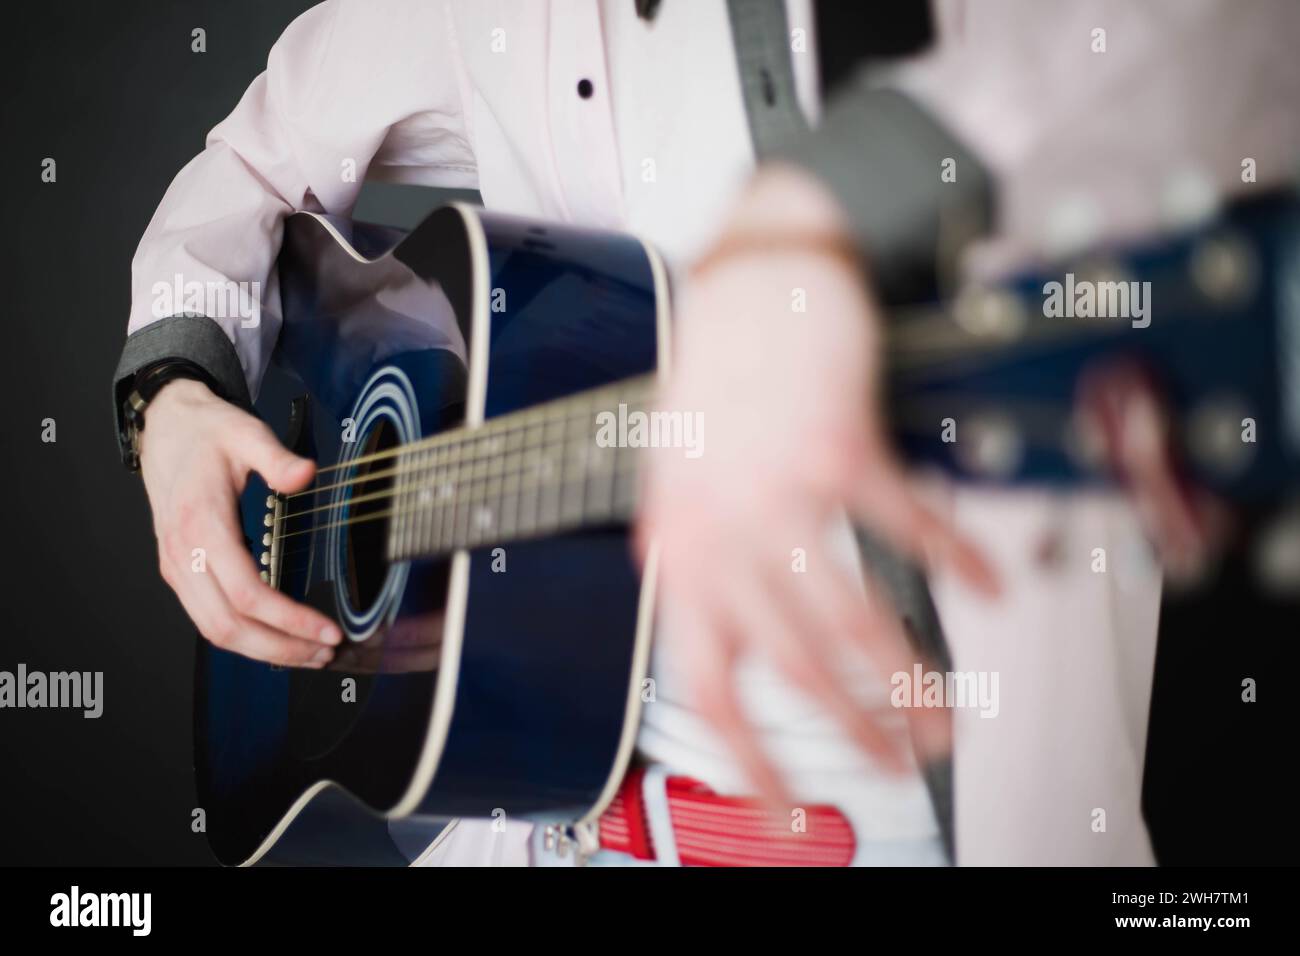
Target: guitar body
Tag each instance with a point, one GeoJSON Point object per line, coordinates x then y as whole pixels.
{"type": "Point", "coordinates": [494, 680]}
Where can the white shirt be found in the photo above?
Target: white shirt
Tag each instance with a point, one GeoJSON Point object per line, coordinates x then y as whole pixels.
{"type": "Point", "coordinates": [483, 95]}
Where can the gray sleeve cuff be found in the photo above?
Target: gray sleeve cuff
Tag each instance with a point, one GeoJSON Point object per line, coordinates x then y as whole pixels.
{"type": "Point", "coordinates": [193, 338]}
{"type": "Point", "coordinates": [883, 157]}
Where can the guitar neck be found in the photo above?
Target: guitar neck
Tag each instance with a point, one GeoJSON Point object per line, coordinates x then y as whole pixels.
{"type": "Point", "coordinates": [984, 387]}
{"type": "Point", "coordinates": [559, 466]}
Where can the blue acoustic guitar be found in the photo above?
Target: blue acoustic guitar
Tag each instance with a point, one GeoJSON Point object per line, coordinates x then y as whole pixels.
{"type": "Point", "coordinates": [469, 532]}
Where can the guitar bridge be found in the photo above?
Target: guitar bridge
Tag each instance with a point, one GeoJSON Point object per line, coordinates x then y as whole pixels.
{"type": "Point", "coordinates": [270, 557]}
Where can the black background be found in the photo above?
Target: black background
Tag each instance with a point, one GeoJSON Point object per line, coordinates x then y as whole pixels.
{"type": "Point", "coordinates": [114, 94]}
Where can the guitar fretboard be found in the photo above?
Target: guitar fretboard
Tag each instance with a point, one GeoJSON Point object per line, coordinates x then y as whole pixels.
{"type": "Point", "coordinates": [526, 474]}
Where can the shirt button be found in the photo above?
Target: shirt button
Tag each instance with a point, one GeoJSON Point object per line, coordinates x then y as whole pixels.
{"type": "Point", "coordinates": [585, 89]}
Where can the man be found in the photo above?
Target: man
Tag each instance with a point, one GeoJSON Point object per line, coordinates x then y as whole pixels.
{"type": "Point", "coordinates": [591, 112]}
{"type": "Point", "coordinates": [595, 113]}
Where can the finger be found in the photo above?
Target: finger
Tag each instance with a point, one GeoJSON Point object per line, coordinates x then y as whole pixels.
{"type": "Point", "coordinates": [255, 447]}
{"type": "Point", "coordinates": [257, 641]}
{"type": "Point", "coordinates": [855, 614]}
{"type": "Point", "coordinates": [889, 507]}
{"type": "Point", "coordinates": [793, 635]}
{"type": "Point", "coordinates": [708, 667]}
{"type": "Point", "coordinates": [219, 623]}
{"type": "Point", "coordinates": [1135, 430]}
{"type": "Point", "coordinates": [252, 598]}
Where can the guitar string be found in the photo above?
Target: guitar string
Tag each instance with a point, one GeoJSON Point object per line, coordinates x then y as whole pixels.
{"type": "Point", "coordinates": [450, 507]}
{"type": "Point", "coordinates": [482, 482]}
{"type": "Point", "coordinates": [435, 473]}
{"type": "Point", "coordinates": [477, 493]}
{"type": "Point", "coordinates": [615, 473]}
{"type": "Point", "coordinates": [572, 409]}
{"type": "Point", "coordinates": [915, 332]}
{"type": "Point", "coordinates": [626, 391]}
{"type": "Point", "coordinates": [473, 484]}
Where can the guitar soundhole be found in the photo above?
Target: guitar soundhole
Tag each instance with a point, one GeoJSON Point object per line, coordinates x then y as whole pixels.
{"type": "Point", "coordinates": [369, 504]}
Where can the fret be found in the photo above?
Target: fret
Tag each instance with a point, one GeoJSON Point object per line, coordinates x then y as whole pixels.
{"type": "Point", "coordinates": [573, 456]}
{"type": "Point", "coordinates": [521, 475]}
{"type": "Point", "coordinates": [492, 491]}
{"type": "Point", "coordinates": [625, 481]}
{"type": "Point", "coordinates": [549, 476]}
{"type": "Point", "coordinates": [423, 500]}
{"type": "Point", "coordinates": [400, 506]}
{"type": "Point", "coordinates": [408, 506]}
{"type": "Point", "coordinates": [431, 478]}
{"type": "Point", "coordinates": [410, 478]}
{"type": "Point", "coordinates": [450, 494]}
{"type": "Point", "coordinates": [600, 481]}
{"type": "Point", "coordinates": [460, 519]}
{"type": "Point", "coordinates": [460, 510]}
{"type": "Point", "coordinates": [480, 522]}
{"type": "Point", "coordinates": [549, 491]}
{"type": "Point", "coordinates": [393, 545]}
{"type": "Point", "coordinates": [493, 530]}
{"type": "Point", "coordinates": [479, 518]}
{"type": "Point", "coordinates": [431, 521]}
{"type": "Point", "coordinates": [512, 463]}
{"type": "Point", "coordinates": [530, 490]}
{"type": "Point", "coordinates": [441, 490]}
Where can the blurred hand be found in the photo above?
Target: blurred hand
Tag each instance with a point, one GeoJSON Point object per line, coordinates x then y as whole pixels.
{"type": "Point", "coordinates": [1122, 404]}
{"type": "Point", "coordinates": [794, 434]}
{"type": "Point", "coordinates": [195, 455]}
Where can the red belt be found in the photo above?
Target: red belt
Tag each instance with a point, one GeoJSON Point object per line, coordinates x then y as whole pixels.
{"type": "Point", "coordinates": [713, 830]}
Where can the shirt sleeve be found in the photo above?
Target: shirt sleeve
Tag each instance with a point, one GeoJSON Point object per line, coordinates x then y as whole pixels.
{"type": "Point", "coordinates": [908, 186]}
{"type": "Point", "coordinates": [1095, 122]}
{"type": "Point", "coordinates": [352, 90]}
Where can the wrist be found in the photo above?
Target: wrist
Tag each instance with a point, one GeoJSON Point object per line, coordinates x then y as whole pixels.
{"type": "Point", "coordinates": [149, 384]}
{"type": "Point", "coordinates": [784, 212]}
{"type": "Point", "coordinates": [784, 197]}
{"type": "Point", "coordinates": [178, 391]}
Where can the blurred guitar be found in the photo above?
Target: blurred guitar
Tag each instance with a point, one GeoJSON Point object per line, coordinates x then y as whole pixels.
{"type": "Point", "coordinates": [468, 529]}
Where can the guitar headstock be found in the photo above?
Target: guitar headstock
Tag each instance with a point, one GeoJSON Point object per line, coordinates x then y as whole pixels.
{"type": "Point", "coordinates": [986, 385]}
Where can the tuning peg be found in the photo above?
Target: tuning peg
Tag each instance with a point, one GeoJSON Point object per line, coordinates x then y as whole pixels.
{"type": "Point", "coordinates": [989, 445]}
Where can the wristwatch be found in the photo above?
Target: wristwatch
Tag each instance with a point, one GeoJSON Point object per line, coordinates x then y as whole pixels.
{"type": "Point", "coordinates": [148, 383]}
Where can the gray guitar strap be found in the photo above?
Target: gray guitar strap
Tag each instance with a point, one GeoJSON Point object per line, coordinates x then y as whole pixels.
{"type": "Point", "coordinates": [763, 44]}
{"type": "Point", "coordinates": [762, 39]}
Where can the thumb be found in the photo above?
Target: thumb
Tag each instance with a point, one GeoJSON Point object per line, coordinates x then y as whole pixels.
{"type": "Point", "coordinates": [255, 448]}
